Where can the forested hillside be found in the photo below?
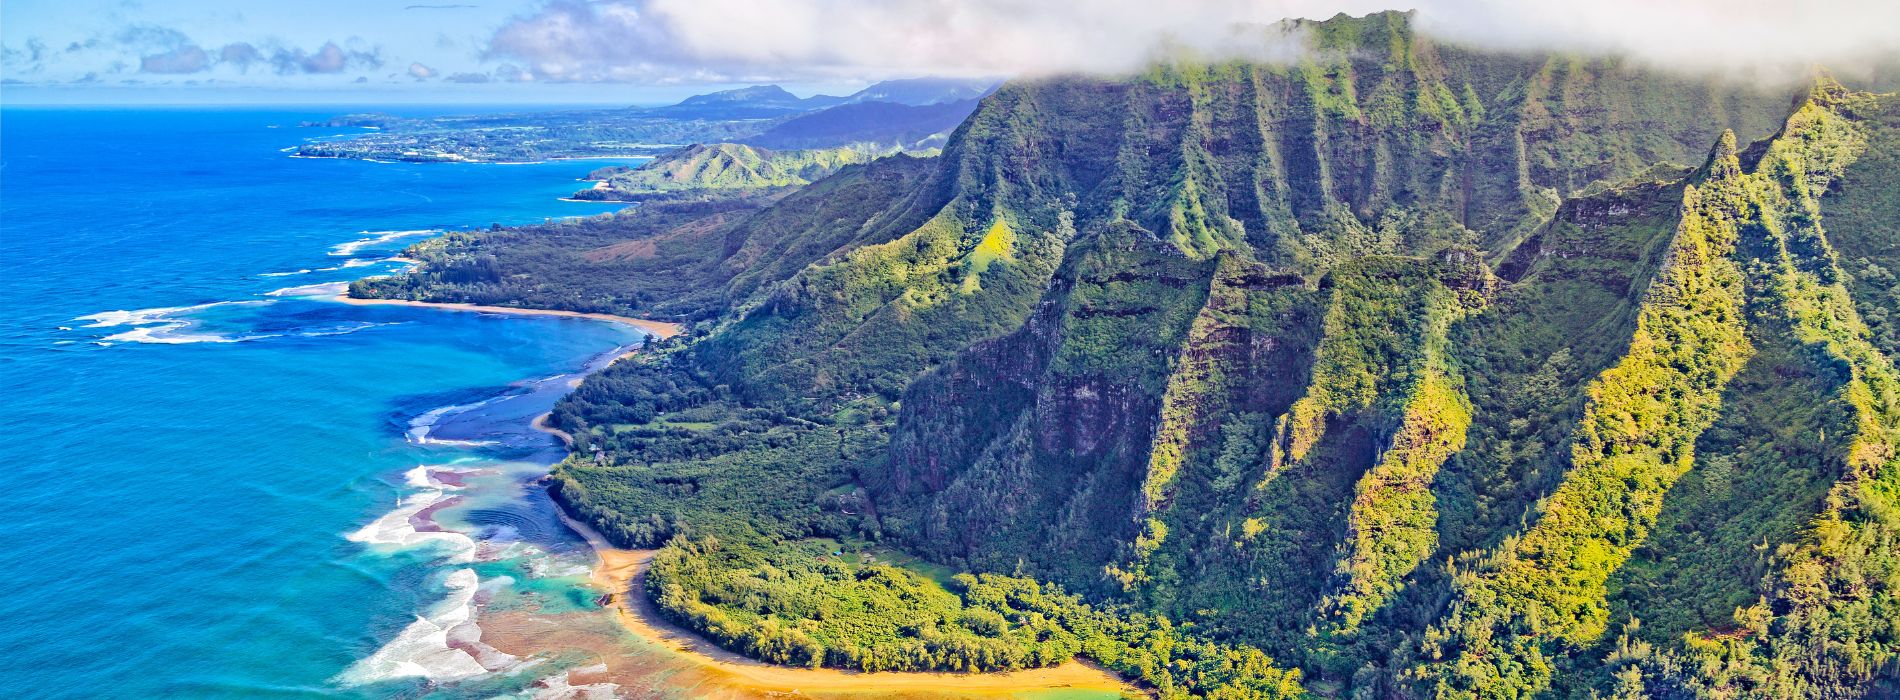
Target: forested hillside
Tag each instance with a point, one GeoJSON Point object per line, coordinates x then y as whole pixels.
{"type": "Point", "coordinates": [1403, 370]}
{"type": "Point", "coordinates": [719, 168]}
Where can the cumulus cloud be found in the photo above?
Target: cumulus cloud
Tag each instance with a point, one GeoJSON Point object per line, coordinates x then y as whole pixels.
{"type": "Point", "coordinates": [511, 73]}
{"type": "Point", "coordinates": [329, 58]}
{"type": "Point", "coordinates": [189, 58]}
{"type": "Point", "coordinates": [161, 50]}
{"type": "Point", "coordinates": [684, 40]}
{"type": "Point", "coordinates": [421, 72]}
{"type": "Point", "coordinates": [185, 57]}
{"type": "Point", "coordinates": [240, 54]}
{"type": "Point", "coordinates": [151, 36]}
{"type": "Point", "coordinates": [468, 78]}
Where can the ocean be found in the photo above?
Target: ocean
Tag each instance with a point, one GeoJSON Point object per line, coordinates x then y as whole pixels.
{"type": "Point", "coordinates": [223, 483]}
{"type": "Point", "coordinates": [213, 473]}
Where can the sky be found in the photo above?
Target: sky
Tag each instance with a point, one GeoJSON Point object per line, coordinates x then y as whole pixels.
{"type": "Point", "coordinates": [654, 51]}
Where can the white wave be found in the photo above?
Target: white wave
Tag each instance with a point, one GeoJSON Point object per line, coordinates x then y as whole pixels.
{"type": "Point", "coordinates": [140, 317]}
{"type": "Point", "coordinates": [163, 325]}
{"type": "Point", "coordinates": [420, 426]}
{"type": "Point", "coordinates": [168, 335]}
{"type": "Point", "coordinates": [438, 645]}
{"type": "Point", "coordinates": [339, 330]}
{"type": "Point", "coordinates": [352, 262]}
{"type": "Point", "coordinates": [397, 530]}
{"type": "Point", "coordinates": [557, 567]}
{"type": "Point", "coordinates": [325, 289]}
{"type": "Point", "coordinates": [377, 238]}
{"type": "Point", "coordinates": [560, 686]}
{"type": "Point", "coordinates": [425, 477]}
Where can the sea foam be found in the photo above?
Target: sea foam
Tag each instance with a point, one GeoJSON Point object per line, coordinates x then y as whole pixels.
{"type": "Point", "coordinates": [443, 644]}
{"type": "Point", "coordinates": [421, 426]}
{"type": "Point", "coordinates": [140, 317]}
{"type": "Point", "coordinates": [397, 528]}
{"type": "Point", "coordinates": [378, 238]}
{"type": "Point", "coordinates": [325, 289]}
{"type": "Point", "coordinates": [164, 325]}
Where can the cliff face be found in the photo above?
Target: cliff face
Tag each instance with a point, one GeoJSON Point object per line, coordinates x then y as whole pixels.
{"type": "Point", "coordinates": [1415, 366]}
{"type": "Point", "coordinates": [1384, 144]}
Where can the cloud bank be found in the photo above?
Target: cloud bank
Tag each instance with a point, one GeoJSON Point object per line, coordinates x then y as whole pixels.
{"type": "Point", "coordinates": [168, 51]}
{"type": "Point", "coordinates": [670, 41]}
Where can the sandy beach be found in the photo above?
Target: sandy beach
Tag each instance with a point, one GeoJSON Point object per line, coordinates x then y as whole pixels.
{"type": "Point", "coordinates": [620, 575]}
{"type": "Point", "coordinates": [660, 329]}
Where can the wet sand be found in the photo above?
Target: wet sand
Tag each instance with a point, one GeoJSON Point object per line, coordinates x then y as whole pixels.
{"type": "Point", "coordinates": [660, 329]}
{"type": "Point", "coordinates": [541, 423]}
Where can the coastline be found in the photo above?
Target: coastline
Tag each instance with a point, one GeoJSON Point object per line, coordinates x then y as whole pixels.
{"type": "Point", "coordinates": [621, 575]}
{"type": "Point", "coordinates": [465, 161]}
{"type": "Point", "coordinates": [659, 329]}
{"type": "Point", "coordinates": [541, 423]}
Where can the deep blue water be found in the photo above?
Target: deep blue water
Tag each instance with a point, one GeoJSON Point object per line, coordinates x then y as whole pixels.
{"type": "Point", "coordinates": [180, 478]}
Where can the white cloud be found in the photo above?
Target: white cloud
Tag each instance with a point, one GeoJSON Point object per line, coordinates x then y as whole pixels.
{"type": "Point", "coordinates": [184, 59]}
{"type": "Point", "coordinates": [684, 40]}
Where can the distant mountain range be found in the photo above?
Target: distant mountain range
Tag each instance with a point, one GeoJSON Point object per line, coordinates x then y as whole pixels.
{"type": "Point", "coordinates": [768, 101]}
{"type": "Point", "coordinates": [911, 114]}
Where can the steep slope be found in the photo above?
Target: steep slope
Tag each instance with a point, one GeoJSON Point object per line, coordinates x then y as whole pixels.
{"type": "Point", "coordinates": [718, 168]}
{"type": "Point", "coordinates": [1299, 169]}
{"type": "Point", "coordinates": [869, 123]}
{"type": "Point", "coordinates": [667, 259]}
{"type": "Point", "coordinates": [1416, 367]}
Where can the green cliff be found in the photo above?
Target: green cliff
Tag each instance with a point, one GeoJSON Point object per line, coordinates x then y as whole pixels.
{"type": "Point", "coordinates": [1403, 370]}
{"type": "Point", "coordinates": [717, 168]}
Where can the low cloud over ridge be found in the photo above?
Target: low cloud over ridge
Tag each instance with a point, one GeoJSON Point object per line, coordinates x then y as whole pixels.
{"type": "Point", "coordinates": [672, 41]}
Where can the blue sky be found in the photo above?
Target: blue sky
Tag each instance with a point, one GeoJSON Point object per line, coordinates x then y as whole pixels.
{"type": "Point", "coordinates": [422, 51]}
{"type": "Point", "coordinates": [650, 51]}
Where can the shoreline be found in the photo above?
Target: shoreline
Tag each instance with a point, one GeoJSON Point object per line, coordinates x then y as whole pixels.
{"type": "Point", "coordinates": [621, 576]}
{"type": "Point", "coordinates": [658, 329]}
{"type": "Point", "coordinates": [540, 423]}
{"type": "Point", "coordinates": [465, 161]}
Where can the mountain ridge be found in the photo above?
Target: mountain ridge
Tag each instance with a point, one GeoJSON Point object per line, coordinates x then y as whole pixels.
{"type": "Point", "coordinates": [1391, 364]}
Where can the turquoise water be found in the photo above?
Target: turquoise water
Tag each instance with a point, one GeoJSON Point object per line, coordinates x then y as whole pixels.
{"type": "Point", "coordinates": [187, 454]}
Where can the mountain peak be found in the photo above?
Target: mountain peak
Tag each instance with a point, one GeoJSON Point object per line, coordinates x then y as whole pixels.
{"type": "Point", "coordinates": [755, 93]}
{"type": "Point", "coordinates": [918, 92]}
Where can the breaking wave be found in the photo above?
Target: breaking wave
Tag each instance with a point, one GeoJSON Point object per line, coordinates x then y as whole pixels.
{"type": "Point", "coordinates": [165, 325]}
{"type": "Point", "coordinates": [443, 644]}
{"type": "Point", "coordinates": [378, 238]}
{"type": "Point", "coordinates": [325, 289]}
{"type": "Point", "coordinates": [420, 426]}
